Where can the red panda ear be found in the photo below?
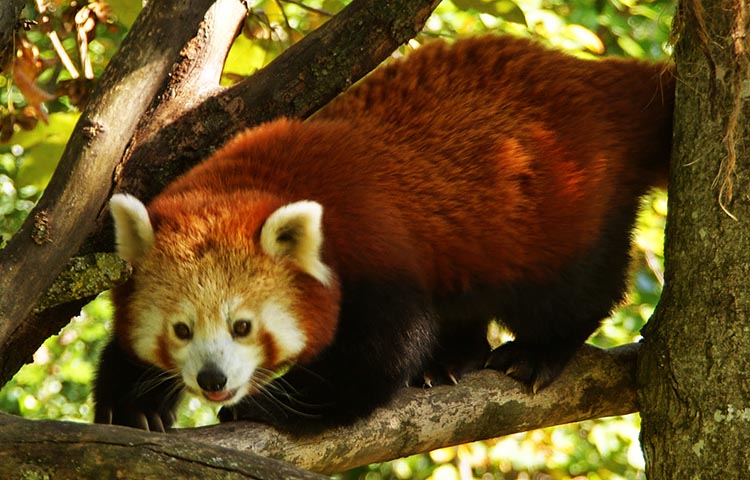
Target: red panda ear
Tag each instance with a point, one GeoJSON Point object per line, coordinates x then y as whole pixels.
{"type": "Point", "coordinates": [133, 231]}
{"type": "Point", "coordinates": [295, 231]}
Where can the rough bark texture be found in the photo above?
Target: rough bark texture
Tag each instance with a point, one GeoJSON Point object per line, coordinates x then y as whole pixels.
{"type": "Point", "coordinates": [159, 110]}
{"type": "Point", "coordinates": [71, 451]}
{"type": "Point", "coordinates": [483, 405]}
{"type": "Point", "coordinates": [10, 13]}
{"type": "Point", "coordinates": [693, 371]}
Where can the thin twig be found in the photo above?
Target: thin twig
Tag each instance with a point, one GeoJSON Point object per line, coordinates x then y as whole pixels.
{"type": "Point", "coordinates": [64, 58]}
{"type": "Point", "coordinates": [301, 5]}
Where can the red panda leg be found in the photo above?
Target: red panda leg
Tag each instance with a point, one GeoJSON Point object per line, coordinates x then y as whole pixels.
{"type": "Point", "coordinates": [128, 392]}
{"type": "Point", "coordinates": [552, 320]}
{"type": "Point", "coordinates": [462, 348]}
{"type": "Point", "coordinates": [386, 333]}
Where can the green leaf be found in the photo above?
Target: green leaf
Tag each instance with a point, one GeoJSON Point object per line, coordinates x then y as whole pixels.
{"type": "Point", "coordinates": [126, 11]}
{"type": "Point", "coordinates": [505, 9]}
{"type": "Point", "coordinates": [631, 47]}
{"type": "Point", "coordinates": [43, 148]}
{"type": "Point", "coordinates": [246, 57]}
{"type": "Point", "coordinates": [78, 371]}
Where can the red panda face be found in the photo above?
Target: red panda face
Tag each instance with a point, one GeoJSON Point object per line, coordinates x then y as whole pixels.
{"type": "Point", "coordinates": [223, 316]}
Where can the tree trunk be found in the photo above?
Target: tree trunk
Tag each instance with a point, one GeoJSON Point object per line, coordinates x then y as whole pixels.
{"type": "Point", "coordinates": [9, 18]}
{"type": "Point", "coordinates": [695, 396]}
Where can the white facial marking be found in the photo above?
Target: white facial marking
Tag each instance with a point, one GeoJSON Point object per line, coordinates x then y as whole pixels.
{"type": "Point", "coordinates": [237, 358]}
{"type": "Point", "coordinates": [146, 332]}
{"type": "Point", "coordinates": [279, 322]}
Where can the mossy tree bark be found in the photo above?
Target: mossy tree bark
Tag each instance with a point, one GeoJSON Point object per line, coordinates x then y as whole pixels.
{"type": "Point", "coordinates": [694, 389]}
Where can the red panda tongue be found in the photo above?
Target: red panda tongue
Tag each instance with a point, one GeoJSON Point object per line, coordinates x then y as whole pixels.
{"type": "Point", "coordinates": [219, 396]}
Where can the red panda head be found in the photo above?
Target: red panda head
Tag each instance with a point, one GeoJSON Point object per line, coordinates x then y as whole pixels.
{"type": "Point", "coordinates": [223, 295]}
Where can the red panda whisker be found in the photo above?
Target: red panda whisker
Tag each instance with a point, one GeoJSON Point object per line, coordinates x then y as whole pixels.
{"type": "Point", "coordinates": [283, 394]}
{"type": "Point", "coordinates": [286, 407]}
{"type": "Point", "coordinates": [153, 378]}
{"type": "Point", "coordinates": [273, 400]}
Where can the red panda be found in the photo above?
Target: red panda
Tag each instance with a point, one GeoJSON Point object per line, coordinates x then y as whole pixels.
{"type": "Point", "coordinates": [368, 247]}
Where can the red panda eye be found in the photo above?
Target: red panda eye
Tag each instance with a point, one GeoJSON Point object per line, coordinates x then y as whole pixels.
{"type": "Point", "coordinates": [241, 328]}
{"type": "Point", "coordinates": [182, 331]}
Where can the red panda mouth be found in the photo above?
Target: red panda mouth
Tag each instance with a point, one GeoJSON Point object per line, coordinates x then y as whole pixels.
{"type": "Point", "coordinates": [221, 396]}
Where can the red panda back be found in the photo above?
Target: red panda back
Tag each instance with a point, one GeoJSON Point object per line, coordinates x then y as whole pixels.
{"type": "Point", "coordinates": [480, 163]}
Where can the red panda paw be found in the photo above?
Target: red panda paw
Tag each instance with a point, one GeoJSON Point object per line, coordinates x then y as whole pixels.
{"type": "Point", "coordinates": [449, 372]}
{"type": "Point", "coordinates": [535, 365]}
{"type": "Point", "coordinates": [131, 393]}
{"type": "Point", "coordinates": [150, 421]}
{"type": "Point", "coordinates": [458, 351]}
{"type": "Point", "coordinates": [433, 378]}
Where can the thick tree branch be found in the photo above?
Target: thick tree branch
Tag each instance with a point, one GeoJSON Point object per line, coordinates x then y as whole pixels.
{"type": "Point", "coordinates": [61, 450]}
{"type": "Point", "coordinates": [483, 405]}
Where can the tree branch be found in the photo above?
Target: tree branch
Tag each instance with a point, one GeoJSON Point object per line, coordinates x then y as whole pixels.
{"type": "Point", "coordinates": [10, 15]}
{"type": "Point", "coordinates": [63, 450]}
{"type": "Point", "coordinates": [483, 405]}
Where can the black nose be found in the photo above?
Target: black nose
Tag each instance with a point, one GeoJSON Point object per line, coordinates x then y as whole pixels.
{"type": "Point", "coordinates": [211, 379]}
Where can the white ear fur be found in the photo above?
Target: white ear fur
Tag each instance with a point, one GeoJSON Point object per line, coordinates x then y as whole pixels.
{"type": "Point", "coordinates": [294, 231]}
{"type": "Point", "coordinates": [133, 231]}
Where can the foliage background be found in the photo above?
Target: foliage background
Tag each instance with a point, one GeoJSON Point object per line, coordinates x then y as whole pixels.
{"type": "Point", "coordinates": [40, 99]}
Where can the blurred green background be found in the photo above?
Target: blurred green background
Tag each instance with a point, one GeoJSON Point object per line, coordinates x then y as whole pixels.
{"type": "Point", "coordinates": [39, 106]}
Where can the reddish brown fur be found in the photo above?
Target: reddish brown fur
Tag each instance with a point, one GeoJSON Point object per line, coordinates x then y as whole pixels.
{"type": "Point", "coordinates": [555, 169]}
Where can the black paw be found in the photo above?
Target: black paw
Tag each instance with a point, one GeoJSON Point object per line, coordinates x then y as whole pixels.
{"type": "Point", "coordinates": [434, 377]}
{"type": "Point", "coordinates": [536, 366]}
{"type": "Point", "coordinates": [460, 352]}
{"type": "Point", "coordinates": [448, 373]}
{"type": "Point", "coordinates": [135, 417]}
{"type": "Point", "coordinates": [134, 394]}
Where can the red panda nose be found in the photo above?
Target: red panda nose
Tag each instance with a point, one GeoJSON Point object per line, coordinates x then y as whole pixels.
{"type": "Point", "coordinates": [211, 379]}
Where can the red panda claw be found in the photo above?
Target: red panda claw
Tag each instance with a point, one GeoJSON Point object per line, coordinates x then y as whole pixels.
{"type": "Point", "coordinates": [103, 416]}
{"type": "Point", "coordinates": [140, 421]}
{"type": "Point", "coordinates": [155, 423]}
